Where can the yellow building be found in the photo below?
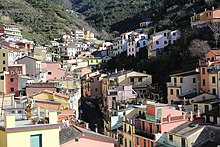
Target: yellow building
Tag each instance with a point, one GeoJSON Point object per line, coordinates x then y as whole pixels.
{"type": "Point", "coordinates": [4, 59]}
{"type": "Point", "coordinates": [88, 35]}
{"type": "Point", "coordinates": [199, 19]}
{"type": "Point", "coordinates": [53, 96]}
{"type": "Point", "coordinates": [24, 134]}
{"type": "Point", "coordinates": [182, 83]}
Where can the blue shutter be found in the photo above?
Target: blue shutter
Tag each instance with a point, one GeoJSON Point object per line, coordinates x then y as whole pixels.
{"type": "Point", "coordinates": [36, 140]}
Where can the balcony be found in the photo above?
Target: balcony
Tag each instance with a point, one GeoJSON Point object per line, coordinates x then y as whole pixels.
{"type": "Point", "coordinates": [152, 118]}
{"type": "Point", "coordinates": [170, 84]}
{"type": "Point", "coordinates": [144, 134]}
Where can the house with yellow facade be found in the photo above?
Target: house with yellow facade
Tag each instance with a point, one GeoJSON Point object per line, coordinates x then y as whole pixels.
{"type": "Point", "coordinates": [53, 96]}
{"type": "Point", "coordinates": [24, 133]}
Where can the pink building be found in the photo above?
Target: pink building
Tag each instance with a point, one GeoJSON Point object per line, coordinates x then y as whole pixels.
{"type": "Point", "coordinates": [158, 119]}
{"type": "Point", "coordinates": [34, 88]}
{"type": "Point", "coordinates": [120, 93]}
{"type": "Point", "coordinates": [210, 57]}
{"type": "Point", "coordinates": [17, 69]}
{"type": "Point", "coordinates": [51, 70]}
{"type": "Point", "coordinates": [213, 15]}
{"type": "Point", "coordinates": [11, 84]}
{"type": "Point", "coordinates": [78, 137]}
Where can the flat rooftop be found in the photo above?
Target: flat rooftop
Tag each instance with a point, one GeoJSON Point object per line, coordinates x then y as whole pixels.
{"type": "Point", "coordinates": [184, 74]}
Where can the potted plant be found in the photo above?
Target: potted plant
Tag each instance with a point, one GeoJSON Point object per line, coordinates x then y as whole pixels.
{"type": "Point", "coordinates": [45, 120]}
{"type": "Point", "coordinates": [35, 120]}
{"type": "Point", "coordinates": [29, 115]}
{"type": "Point", "coordinates": [28, 108]}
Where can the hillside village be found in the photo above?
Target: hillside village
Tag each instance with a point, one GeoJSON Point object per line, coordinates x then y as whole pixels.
{"type": "Point", "coordinates": [62, 93]}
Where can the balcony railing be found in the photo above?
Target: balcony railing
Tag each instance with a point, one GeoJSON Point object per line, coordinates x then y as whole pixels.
{"type": "Point", "coordinates": [170, 84]}
{"type": "Point", "coordinates": [152, 118]}
{"type": "Point", "coordinates": [145, 134]}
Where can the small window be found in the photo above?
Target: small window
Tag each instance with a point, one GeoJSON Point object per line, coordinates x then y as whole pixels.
{"type": "Point", "coordinates": [203, 82]}
{"type": "Point", "coordinates": [181, 80]}
{"type": "Point", "coordinates": [203, 71]}
{"type": "Point", "coordinates": [12, 89]}
{"type": "Point", "coordinates": [2, 78]}
{"type": "Point", "coordinates": [137, 141]}
{"type": "Point", "coordinates": [4, 69]}
{"type": "Point", "coordinates": [214, 91]}
{"type": "Point", "coordinates": [49, 73]}
{"type": "Point", "coordinates": [96, 89]}
{"type": "Point", "coordinates": [139, 79]}
{"type": "Point", "coordinates": [11, 79]}
{"type": "Point", "coordinates": [211, 135]}
{"type": "Point", "coordinates": [171, 137]}
{"type": "Point", "coordinates": [3, 61]}
{"type": "Point", "coordinates": [174, 34]}
{"type": "Point", "coordinates": [145, 144]}
{"type": "Point", "coordinates": [76, 140]}
{"type": "Point", "coordinates": [165, 34]}
{"type": "Point", "coordinates": [194, 80]}
{"type": "Point", "coordinates": [165, 42]}
{"type": "Point", "coordinates": [157, 42]}
{"type": "Point", "coordinates": [171, 91]}
{"type": "Point", "coordinates": [213, 79]}
{"type": "Point", "coordinates": [3, 54]}
{"type": "Point", "coordinates": [177, 92]}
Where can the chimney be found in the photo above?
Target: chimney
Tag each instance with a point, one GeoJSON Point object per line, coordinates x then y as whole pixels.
{"type": "Point", "coordinates": [116, 71]}
{"type": "Point", "coordinates": [87, 126]}
{"type": "Point", "coordinates": [53, 117]}
{"type": "Point", "coordinates": [191, 116]}
{"type": "Point", "coordinates": [213, 8]}
{"type": "Point", "coordinates": [96, 128]}
{"type": "Point", "coordinates": [205, 9]}
{"type": "Point", "coordinates": [9, 121]}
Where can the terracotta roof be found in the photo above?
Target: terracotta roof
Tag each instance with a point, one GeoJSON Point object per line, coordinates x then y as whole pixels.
{"type": "Point", "coordinates": [216, 52]}
{"type": "Point", "coordinates": [55, 93]}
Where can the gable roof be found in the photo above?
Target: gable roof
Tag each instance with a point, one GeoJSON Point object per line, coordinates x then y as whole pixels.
{"type": "Point", "coordinates": [27, 57]}
{"type": "Point", "coordinates": [53, 92]}
{"type": "Point", "coordinates": [74, 132]}
{"type": "Point", "coordinates": [216, 52]}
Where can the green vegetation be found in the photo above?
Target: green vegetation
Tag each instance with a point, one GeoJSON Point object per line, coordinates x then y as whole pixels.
{"type": "Point", "coordinates": [40, 20]}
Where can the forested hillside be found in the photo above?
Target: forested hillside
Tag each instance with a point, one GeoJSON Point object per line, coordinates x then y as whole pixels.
{"type": "Point", "coordinates": [40, 20]}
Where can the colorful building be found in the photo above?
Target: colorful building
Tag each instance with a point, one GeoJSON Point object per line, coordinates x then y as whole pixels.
{"type": "Point", "coordinates": [4, 59]}
{"type": "Point", "coordinates": [53, 96]}
{"type": "Point", "coordinates": [181, 84]}
{"type": "Point", "coordinates": [158, 119]}
{"type": "Point", "coordinates": [24, 133]}
{"type": "Point", "coordinates": [11, 31]}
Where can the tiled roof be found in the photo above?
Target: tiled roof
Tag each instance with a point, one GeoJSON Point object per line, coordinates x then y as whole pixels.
{"type": "Point", "coordinates": [55, 93]}
{"type": "Point", "coordinates": [74, 132]}
{"type": "Point", "coordinates": [216, 52]}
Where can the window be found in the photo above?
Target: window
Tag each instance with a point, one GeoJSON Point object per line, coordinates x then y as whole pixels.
{"type": "Point", "coordinates": [36, 140]}
{"type": "Point", "coordinates": [213, 79]}
{"type": "Point", "coordinates": [139, 79]}
{"type": "Point", "coordinates": [151, 128]}
{"type": "Point", "coordinates": [145, 144]}
{"type": "Point", "coordinates": [177, 92]}
{"type": "Point", "coordinates": [4, 69]}
{"type": "Point", "coordinates": [96, 89]}
{"type": "Point", "coordinates": [158, 128]}
{"type": "Point", "coordinates": [132, 80]}
{"type": "Point", "coordinates": [183, 142]}
{"type": "Point", "coordinates": [214, 91]}
{"type": "Point", "coordinates": [174, 34]}
{"type": "Point", "coordinates": [49, 73]}
{"type": "Point", "coordinates": [2, 78]}
{"type": "Point", "coordinates": [181, 80]}
{"type": "Point", "coordinates": [3, 54]}
{"type": "Point", "coordinates": [171, 137]}
{"type": "Point", "coordinates": [174, 80]}
{"type": "Point", "coordinates": [137, 141]}
{"type": "Point", "coordinates": [130, 144]}
{"type": "Point", "coordinates": [125, 142]}
{"type": "Point", "coordinates": [11, 79]}
{"type": "Point", "coordinates": [211, 119]}
{"type": "Point", "coordinates": [194, 80]}
{"type": "Point", "coordinates": [211, 135]}
{"type": "Point", "coordinates": [165, 42]}
{"type": "Point", "coordinates": [171, 91]}
{"type": "Point", "coordinates": [195, 107]}
{"type": "Point", "coordinates": [203, 71]}
{"type": "Point", "coordinates": [76, 140]}
{"type": "Point", "coordinates": [165, 34]}
{"type": "Point", "coordinates": [203, 82]}
{"type": "Point", "coordinates": [143, 126]}
{"type": "Point", "coordinates": [157, 42]}
{"type": "Point", "coordinates": [12, 89]}
{"type": "Point", "coordinates": [3, 61]}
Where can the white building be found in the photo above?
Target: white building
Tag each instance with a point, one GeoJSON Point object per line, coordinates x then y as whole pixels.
{"type": "Point", "coordinates": [136, 42]}
{"type": "Point", "coordinates": [78, 34]}
{"type": "Point", "coordinates": [162, 39]}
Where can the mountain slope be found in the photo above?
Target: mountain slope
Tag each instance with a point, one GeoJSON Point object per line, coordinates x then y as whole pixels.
{"type": "Point", "coordinates": [39, 19]}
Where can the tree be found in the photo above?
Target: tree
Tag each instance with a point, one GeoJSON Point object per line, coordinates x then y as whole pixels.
{"type": "Point", "coordinates": [198, 47]}
{"type": "Point", "coordinates": [215, 27]}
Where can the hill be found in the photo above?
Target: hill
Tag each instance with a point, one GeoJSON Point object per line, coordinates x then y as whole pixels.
{"type": "Point", "coordinates": [41, 20]}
